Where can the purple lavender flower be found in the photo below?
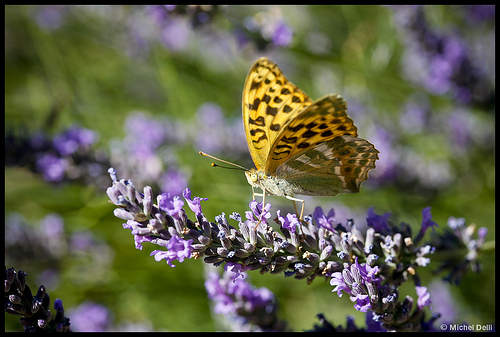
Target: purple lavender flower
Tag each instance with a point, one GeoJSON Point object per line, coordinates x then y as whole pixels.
{"type": "Point", "coordinates": [34, 311]}
{"type": "Point", "coordinates": [424, 298]}
{"type": "Point", "coordinates": [427, 219]}
{"type": "Point", "coordinates": [172, 204]}
{"type": "Point", "coordinates": [460, 237]}
{"type": "Point", "coordinates": [195, 203]}
{"type": "Point", "coordinates": [359, 282]}
{"type": "Point", "coordinates": [258, 212]}
{"type": "Point", "coordinates": [321, 220]}
{"type": "Point", "coordinates": [236, 270]}
{"type": "Point", "coordinates": [370, 281]}
{"type": "Point", "coordinates": [290, 222]}
{"type": "Point", "coordinates": [178, 249]}
{"type": "Point", "coordinates": [378, 222]}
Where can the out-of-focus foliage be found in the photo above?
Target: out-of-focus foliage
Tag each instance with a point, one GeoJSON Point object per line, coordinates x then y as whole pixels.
{"type": "Point", "coordinates": [144, 88]}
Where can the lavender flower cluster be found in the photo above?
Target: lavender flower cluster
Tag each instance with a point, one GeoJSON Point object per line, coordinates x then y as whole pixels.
{"type": "Point", "coordinates": [66, 156]}
{"type": "Point", "coordinates": [34, 310]}
{"type": "Point", "coordinates": [442, 62]}
{"type": "Point", "coordinates": [368, 266]}
{"type": "Point", "coordinates": [250, 309]}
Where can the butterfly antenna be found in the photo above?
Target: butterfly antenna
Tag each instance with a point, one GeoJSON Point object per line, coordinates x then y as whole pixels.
{"type": "Point", "coordinates": [224, 161]}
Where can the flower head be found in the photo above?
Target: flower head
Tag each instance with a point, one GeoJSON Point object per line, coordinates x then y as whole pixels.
{"type": "Point", "coordinates": [178, 249]}
{"type": "Point", "coordinates": [325, 221]}
{"type": "Point", "coordinates": [170, 204]}
{"type": "Point", "coordinates": [378, 222]}
{"type": "Point", "coordinates": [195, 203]}
{"type": "Point", "coordinates": [290, 222]}
{"type": "Point", "coordinates": [258, 212]}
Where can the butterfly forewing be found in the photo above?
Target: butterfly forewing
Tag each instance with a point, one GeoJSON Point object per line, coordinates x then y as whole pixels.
{"type": "Point", "coordinates": [269, 102]}
{"type": "Point", "coordinates": [320, 122]}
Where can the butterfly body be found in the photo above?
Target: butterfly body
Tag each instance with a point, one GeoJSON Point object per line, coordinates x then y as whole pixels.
{"type": "Point", "coordinates": [299, 146]}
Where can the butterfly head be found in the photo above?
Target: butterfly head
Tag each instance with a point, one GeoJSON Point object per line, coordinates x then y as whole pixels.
{"type": "Point", "coordinates": [255, 178]}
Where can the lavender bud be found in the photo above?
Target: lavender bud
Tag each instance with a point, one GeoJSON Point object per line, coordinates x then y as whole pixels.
{"type": "Point", "coordinates": [14, 299]}
{"type": "Point", "coordinates": [222, 251]}
{"type": "Point", "coordinates": [198, 247]}
{"type": "Point", "coordinates": [370, 238]}
{"type": "Point", "coordinates": [226, 243]}
{"type": "Point", "coordinates": [356, 274]}
{"type": "Point", "coordinates": [147, 201]}
{"type": "Point", "coordinates": [347, 276]}
{"type": "Point", "coordinates": [313, 257]}
{"type": "Point", "coordinates": [123, 214]}
{"type": "Point", "coordinates": [205, 240]}
{"type": "Point", "coordinates": [113, 194]}
{"type": "Point", "coordinates": [249, 247]}
{"type": "Point", "coordinates": [267, 251]}
{"type": "Point", "coordinates": [244, 231]}
{"type": "Point", "coordinates": [241, 253]}
{"type": "Point", "coordinates": [139, 197]}
{"type": "Point", "coordinates": [325, 253]}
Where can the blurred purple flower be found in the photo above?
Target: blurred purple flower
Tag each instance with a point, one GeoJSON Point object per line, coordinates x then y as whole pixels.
{"type": "Point", "coordinates": [443, 301]}
{"type": "Point", "coordinates": [144, 135]}
{"type": "Point", "coordinates": [440, 62]}
{"type": "Point", "coordinates": [242, 302]}
{"type": "Point", "coordinates": [414, 117]}
{"type": "Point", "coordinates": [90, 317]}
{"type": "Point", "coordinates": [427, 219]}
{"type": "Point", "coordinates": [175, 33]}
{"type": "Point", "coordinates": [480, 13]}
{"type": "Point", "coordinates": [210, 136]}
{"type": "Point", "coordinates": [174, 181]}
{"type": "Point", "coordinates": [282, 35]}
{"type": "Point", "coordinates": [51, 17]}
{"type": "Point", "coordinates": [75, 137]}
{"type": "Point", "coordinates": [52, 167]}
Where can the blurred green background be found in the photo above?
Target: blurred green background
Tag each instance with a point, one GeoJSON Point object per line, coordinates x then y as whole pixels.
{"type": "Point", "coordinates": [184, 68]}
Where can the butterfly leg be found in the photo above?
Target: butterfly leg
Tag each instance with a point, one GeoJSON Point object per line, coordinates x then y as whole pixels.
{"type": "Point", "coordinates": [263, 195]}
{"type": "Point", "coordinates": [301, 209]}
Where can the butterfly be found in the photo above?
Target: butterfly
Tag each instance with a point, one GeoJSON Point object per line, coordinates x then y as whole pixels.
{"type": "Point", "coordinates": [299, 146]}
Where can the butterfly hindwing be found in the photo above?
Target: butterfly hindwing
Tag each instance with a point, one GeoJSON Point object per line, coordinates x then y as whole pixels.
{"type": "Point", "coordinates": [328, 168]}
{"type": "Point", "coordinates": [320, 122]}
{"type": "Point", "coordinates": [269, 102]}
